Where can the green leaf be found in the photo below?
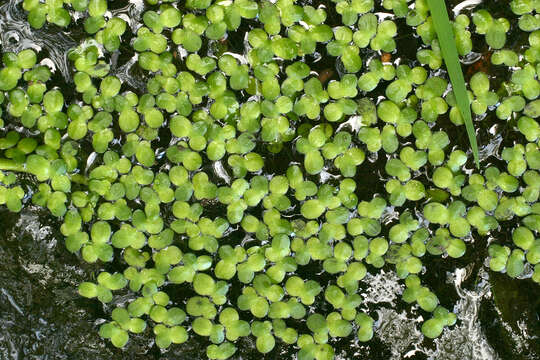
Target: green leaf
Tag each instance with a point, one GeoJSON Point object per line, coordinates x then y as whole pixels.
{"type": "Point", "coordinates": [445, 34]}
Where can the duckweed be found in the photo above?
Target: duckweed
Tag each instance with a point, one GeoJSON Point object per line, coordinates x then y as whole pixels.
{"type": "Point", "coordinates": [235, 168]}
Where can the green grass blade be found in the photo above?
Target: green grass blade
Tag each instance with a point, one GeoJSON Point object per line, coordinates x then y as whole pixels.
{"type": "Point", "coordinates": [445, 34]}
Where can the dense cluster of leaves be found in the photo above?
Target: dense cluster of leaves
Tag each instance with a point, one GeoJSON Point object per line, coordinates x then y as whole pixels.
{"type": "Point", "coordinates": [174, 182]}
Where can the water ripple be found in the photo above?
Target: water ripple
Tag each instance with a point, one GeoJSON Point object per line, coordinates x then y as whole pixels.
{"type": "Point", "coordinates": [16, 35]}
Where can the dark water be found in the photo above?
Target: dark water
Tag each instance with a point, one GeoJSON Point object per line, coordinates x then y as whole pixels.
{"type": "Point", "coordinates": [42, 317]}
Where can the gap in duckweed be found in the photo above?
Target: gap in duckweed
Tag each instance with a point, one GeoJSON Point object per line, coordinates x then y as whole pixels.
{"type": "Point", "coordinates": [381, 188]}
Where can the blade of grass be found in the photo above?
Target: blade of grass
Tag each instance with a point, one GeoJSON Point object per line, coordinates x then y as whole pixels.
{"type": "Point", "coordinates": [445, 34]}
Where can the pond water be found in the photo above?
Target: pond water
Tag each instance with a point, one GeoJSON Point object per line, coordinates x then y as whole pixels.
{"type": "Point", "coordinates": [42, 316]}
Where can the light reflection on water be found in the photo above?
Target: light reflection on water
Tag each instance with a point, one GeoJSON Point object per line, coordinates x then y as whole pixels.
{"type": "Point", "coordinates": [16, 34]}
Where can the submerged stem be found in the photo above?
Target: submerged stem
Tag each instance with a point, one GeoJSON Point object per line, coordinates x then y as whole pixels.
{"type": "Point", "coordinates": [10, 165]}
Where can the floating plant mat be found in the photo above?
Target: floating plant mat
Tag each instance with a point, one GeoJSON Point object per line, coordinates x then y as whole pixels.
{"type": "Point", "coordinates": [239, 179]}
